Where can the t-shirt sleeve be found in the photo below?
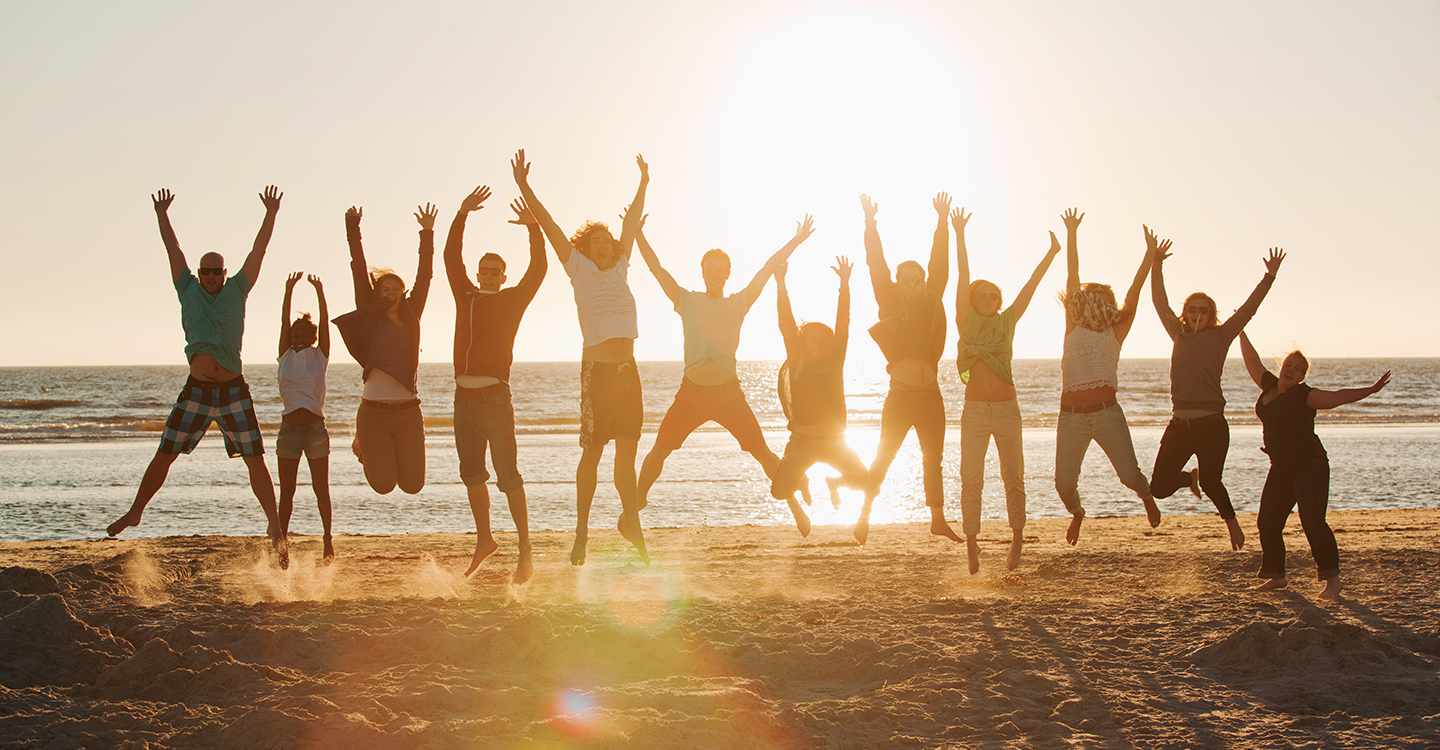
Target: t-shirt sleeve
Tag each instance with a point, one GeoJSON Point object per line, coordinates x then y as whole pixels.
{"type": "Point", "coordinates": [184, 282]}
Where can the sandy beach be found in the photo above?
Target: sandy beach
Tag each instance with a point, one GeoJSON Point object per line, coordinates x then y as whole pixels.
{"type": "Point", "coordinates": [734, 637]}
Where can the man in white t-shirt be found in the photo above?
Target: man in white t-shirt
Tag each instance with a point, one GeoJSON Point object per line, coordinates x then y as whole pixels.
{"type": "Point", "coordinates": [611, 406]}
{"type": "Point", "coordinates": [710, 390]}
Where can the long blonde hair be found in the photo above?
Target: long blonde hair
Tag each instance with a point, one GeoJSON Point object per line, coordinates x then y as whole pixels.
{"type": "Point", "coordinates": [1092, 306]}
{"type": "Point", "coordinates": [1214, 316]}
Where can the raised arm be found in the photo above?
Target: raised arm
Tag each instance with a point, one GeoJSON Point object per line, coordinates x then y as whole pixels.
{"type": "Point", "coordinates": [161, 202]}
{"type": "Point", "coordinates": [1022, 300]}
{"type": "Point", "coordinates": [842, 268]}
{"type": "Point", "coordinates": [784, 314]}
{"type": "Point", "coordinates": [425, 268]}
{"type": "Point", "coordinates": [285, 312]}
{"type": "Point", "coordinates": [958, 219]}
{"type": "Point", "coordinates": [1072, 218]}
{"type": "Point", "coordinates": [558, 240]}
{"type": "Point", "coordinates": [1253, 365]}
{"type": "Point", "coordinates": [1159, 251]}
{"type": "Point", "coordinates": [453, 255]}
{"type": "Point", "coordinates": [535, 272]}
{"type": "Point", "coordinates": [1236, 323]}
{"type": "Point", "coordinates": [635, 214]}
{"type": "Point", "coordinates": [652, 261]}
{"type": "Point", "coordinates": [270, 198]}
{"type": "Point", "coordinates": [359, 271]}
{"type": "Point", "coordinates": [803, 229]}
{"type": "Point", "coordinates": [937, 274]}
{"type": "Point", "coordinates": [1318, 399]}
{"type": "Point", "coordinates": [323, 324]}
{"type": "Point", "coordinates": [1132, 299]}
{"type": "Point", "coordinates": [880, 281]}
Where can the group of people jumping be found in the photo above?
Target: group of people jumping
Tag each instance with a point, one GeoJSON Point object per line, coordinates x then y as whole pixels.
{"type": "Point", "coordinates": [383, 335]}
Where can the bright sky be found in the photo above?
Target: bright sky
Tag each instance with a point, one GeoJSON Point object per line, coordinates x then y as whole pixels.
{"type": "Point", "coordinates": [1230, 126]}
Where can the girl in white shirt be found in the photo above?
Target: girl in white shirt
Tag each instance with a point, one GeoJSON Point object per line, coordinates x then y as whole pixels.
{"type": "Point", "coordinates": [301, 379]}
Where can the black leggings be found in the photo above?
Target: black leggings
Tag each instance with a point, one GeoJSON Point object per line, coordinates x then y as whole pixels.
{"type": "Point", "coordinates": [1208, 440]}
{"type": "Point", "coordinates": [1307, 485]}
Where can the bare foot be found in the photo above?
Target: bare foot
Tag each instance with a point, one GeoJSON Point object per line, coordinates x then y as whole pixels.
{"type": "Point", "coordinates": [484, 547]}
{"type": "Point", "coordinates": [1271, 584]}
{"type": "Point", "coordinates": [833, 483]}
{"type": "Point", "coordinates": [862, 530]}
{"type": "Point", "coordinates": [1152, 512]}
{"type": "Point", "coordinates": [329, 554]}
{"type": "Point", "coordinates": [523, 569]}
{"type": "Point", "coordinates": [629, 528]}
{"type": "Point", "coordinates": [940, 527]}
{"type": "Point", "coordinates": [577, 550]}
{"type": "Point", "coordinates": [281, 544]}
{"type": "Point", "coordinates": [1237, 537]}
{"type": "Point", "coordinates": [1332, 588]}
{"type": "Point", "coordinates": [1072, 534]}
{"type": "Point", "coordinates": [1012, 561]}
{"type": "Point", "coordinates": [802, 521]}
{"type": "Point", "coordinates": [1194, 483]}
{"type": "Point", "coordinates": [122, 523]}
{"type": "Point", "coordinates": [972, 551]}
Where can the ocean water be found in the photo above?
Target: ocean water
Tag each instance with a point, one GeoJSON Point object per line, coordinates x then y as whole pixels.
{"type": "Point", "coordinates": [74, 441]}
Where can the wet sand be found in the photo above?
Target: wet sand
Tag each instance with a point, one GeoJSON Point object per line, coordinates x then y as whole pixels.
{"type": "Point", "coordinates": [734, 637]}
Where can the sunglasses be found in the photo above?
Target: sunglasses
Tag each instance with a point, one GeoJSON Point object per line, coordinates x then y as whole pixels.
{"type": "Point", "coordinates": [211, 271]}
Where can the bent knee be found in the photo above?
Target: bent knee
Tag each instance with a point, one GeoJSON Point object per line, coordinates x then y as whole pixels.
{"type": "Point", "coordinates": [411, 486]}
{"type": "Point", "coordinates": [382, 486]}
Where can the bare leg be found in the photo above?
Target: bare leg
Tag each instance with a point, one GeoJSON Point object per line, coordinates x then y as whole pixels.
{"type": "Point", "coordinates": [520, 513]}
{"type": "Point", "coordinates": [320, 482]}
{"type": "Point", "coordinates": [625, 484]}
{"type": "Point", "coordinates": [479, 496]}
{"type": "Point", "coordinates": [650, 472]}
{"type": "Point", "coordinates": [150, 483]}
{"type": "Point", "coordinates": [264, 490]}
{"type": "Point", "coordinates": [802, 521]}
{"type": "Point", "coordinates": [584, 497]}
{"type": "Point", "coordinates": [1017, 543]}
{"type": "Point", "coordinates": [1332, 588]}
{"type": "Point", "coordinates": [289, 475]}
{"type": "Point", "coordinates": [972, 553]}
{"type": "Point", "coordinates": [1072, 534]}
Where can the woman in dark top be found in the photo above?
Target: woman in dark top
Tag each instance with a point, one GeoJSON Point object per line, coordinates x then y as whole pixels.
{"type": "Point", "coordinates": [383, 335]}
{"type": "Point", "coordinates": [1299, 468]}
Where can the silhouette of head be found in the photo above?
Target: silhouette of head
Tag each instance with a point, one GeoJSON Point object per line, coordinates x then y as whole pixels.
{"type": "Point", "coordinates": [491, 272]}
{"type": "Point", "coordinates": [303, 332]}
{"type": "Point", "coordinates": [984, 297]}
{"type": "Point", "coordinates": [910, 278]}
{"type": "Point", "coordinates": [1198, 313]}
{"type": "Point", "coordinates": [715, 269]}
{"type": "Point", "coordinates": [817, 340]}
{"type": "Point", "coordinates": [595, 242]}
{"type": "Point", "coordinates": [1293, 369]}
{"type": "Point", "coordinates": [1092, 306]}
{"type": "Point", "coordinates": [211, 272]}
{"type": "Point", "coordinates": [389, 288]}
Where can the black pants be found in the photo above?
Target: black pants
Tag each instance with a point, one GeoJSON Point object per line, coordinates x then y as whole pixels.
{"type": "Point", "coordinates": [1208, 440]}
{"type": "Point", "coordinates": [923, 410]}
{"type": "Point", "coordinates": [1307, 485]}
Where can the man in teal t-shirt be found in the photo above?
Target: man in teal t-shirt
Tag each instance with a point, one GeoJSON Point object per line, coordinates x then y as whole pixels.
{"type": "Point", "coordinates": [212, 313]}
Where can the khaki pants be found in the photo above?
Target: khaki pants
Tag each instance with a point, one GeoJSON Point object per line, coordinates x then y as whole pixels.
{"type": "Point", "coordinates": [980, 421]}
{"type": "Point", "coordinates": [390, 442]}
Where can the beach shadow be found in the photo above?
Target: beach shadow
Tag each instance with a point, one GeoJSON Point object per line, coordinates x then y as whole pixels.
{"type": "Point", "coordinates": [1428, 645]}
{"type": "Point", "coordinates": [1079, 683]}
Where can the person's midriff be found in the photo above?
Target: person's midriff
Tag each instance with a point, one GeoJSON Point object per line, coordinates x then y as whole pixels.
{"type": "Point", "coordinates": [1088, 399]}
{"type": "Point", "coordinates": [204, 367]}
{"type": "Point", "coordinates": [611, 350]}
{"type": "Point", "coordinates": [985, 385]}
{"type": "Point", "coordinates": [914, 374]}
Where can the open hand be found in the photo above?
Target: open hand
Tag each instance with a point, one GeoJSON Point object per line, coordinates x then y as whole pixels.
{"type": "Point", "coordinates": [1159, 249]}
{"type": "Point", "coordinates": [1072, 218]}
{"type": "Point", "coordinates": [941, 203]}
{"type": "Point", "coordinates": [353, 216]}
{"type": "Point", "coordinates": [644, 168]}
{"type": "Point", "coordinates": [426, 216]}
{"type": "Point", "coordinates": [292, 280]}
{"type": "Point", "coordinates": [271, 198]}
{"type": "Point", "coordinates": [803, 229]}
{"type": "Point", "coordinates": [1381, 383]}
{"type": "Point", "coordinates": [1054, 244]}
{"type": "Point", "coordinates": [842, 268]}
{"type": "Point", "coordinates": [1273, 260]}
{"type": "Point", "coordinates": [162, 200]}
{"type": "Point", "coordinates": [523, 216]}
{"type": "Point", "coordinates": [959, 217]}
{"type": "Point", "coordinates": [315, 282]}
{"type": "Point", "coordinates": [473, 201]}
{"type": "Point", "coordinates": [869, 206]}
{"type": "Point", "coordinates": [519, 167]}
{"type": "Point", "coordinates": [625, 214]}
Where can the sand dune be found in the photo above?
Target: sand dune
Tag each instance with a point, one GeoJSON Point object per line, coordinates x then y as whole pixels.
{"type": "Point", "coordinates": [735, 637]}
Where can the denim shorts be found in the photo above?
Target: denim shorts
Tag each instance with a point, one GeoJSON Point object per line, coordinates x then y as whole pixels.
{"type": "Point", "coordinates": [310, 439]}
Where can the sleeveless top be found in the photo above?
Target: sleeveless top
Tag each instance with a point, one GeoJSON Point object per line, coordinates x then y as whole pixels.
{"type": "Point", "coordinates": [1091, 359]}
{"type": "Point", "coordinates": [1288, 424]}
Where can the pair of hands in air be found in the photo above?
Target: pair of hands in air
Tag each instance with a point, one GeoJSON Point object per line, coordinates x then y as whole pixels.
{"type": "Point", "coordinates": [270, 198]}
{"type": "Point", "coordinates": [294, 278]}
{"type": "Point", "coordinates": [959, 217]}
{"type": "Point", "coordinates": [1159, 250]}
{"type": "Point", "coordinates": [803, 229]}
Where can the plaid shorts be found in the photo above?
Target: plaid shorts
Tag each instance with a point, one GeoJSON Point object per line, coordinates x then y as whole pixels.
{"type": "Point", "coordinates": [200, 404]}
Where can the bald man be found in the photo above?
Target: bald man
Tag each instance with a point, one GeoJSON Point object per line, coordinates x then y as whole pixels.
{"type": "Point", "coordinates": [212, 313]}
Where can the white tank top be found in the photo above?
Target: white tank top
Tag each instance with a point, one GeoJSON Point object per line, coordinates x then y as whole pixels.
{"type": "Point", "coordinates": [602, 299]}
{"type": "Point", "coordinates": [1091, 359]}
{"type": "Point", "coordinates": [301, 379]}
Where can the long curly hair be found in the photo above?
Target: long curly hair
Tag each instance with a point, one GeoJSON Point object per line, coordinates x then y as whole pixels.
{"type": "Point", "coordinates": [1212, 321]}
{"type": "Point", "coordinates": [581, 239]}
{"type": "Point", "coordinates": [1092, 306]}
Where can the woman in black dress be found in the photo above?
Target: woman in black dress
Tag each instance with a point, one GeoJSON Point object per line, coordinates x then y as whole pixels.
{"type": "Point", "coordinates": [1299, 468]}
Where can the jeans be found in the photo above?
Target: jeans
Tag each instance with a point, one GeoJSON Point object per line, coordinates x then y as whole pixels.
{"type": "Point", "coordinates": [485, 418]}
{"type": "Point", "coordinates": [1208, 440]}
{"type": "Point", "coordinates": [1073, 435]}
{"type": "Point", "coordinates": [980, 421]}
{"type": "Point", "coordinates": [1307, 485]}
{"type": "Point", "coordinates": [923, 410]}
